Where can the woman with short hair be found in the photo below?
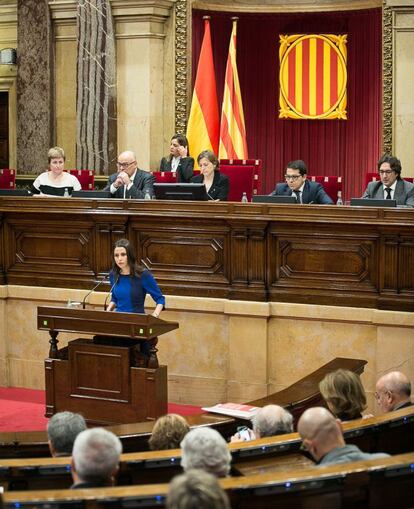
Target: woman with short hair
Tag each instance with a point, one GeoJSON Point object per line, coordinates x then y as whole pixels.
{"type": "Point", "coordinates": [55, 181]}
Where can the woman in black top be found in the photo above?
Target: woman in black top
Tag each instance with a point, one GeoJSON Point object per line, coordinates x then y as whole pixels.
{"type": "Point", "coordinates": [217, 184]}
{"type": "Point", "coordinates": [179, 159]}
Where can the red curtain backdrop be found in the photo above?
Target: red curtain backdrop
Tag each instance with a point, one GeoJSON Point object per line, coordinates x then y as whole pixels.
{"type": "Point", "coordinates": [347, 148]}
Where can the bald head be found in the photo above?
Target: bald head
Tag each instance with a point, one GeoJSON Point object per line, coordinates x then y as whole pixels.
{"type": "Point", "coordinates": [320, 431]}
{"type": "Point", "coordinates": [272, 420]}
{"type": "Point", "coordinates": [393, 390]}
{"type": "Point", "coordinates": [127, 162]}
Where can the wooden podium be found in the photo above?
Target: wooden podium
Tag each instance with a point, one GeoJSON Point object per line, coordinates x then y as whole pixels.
{"type": "Point", "coordinates": [105, 378]}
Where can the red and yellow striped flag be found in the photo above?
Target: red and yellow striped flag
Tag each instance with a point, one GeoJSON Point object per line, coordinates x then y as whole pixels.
{"type": "Point", "coordinates": [203, 123]}
{"type": "Point", "coordinates": [233, 143]}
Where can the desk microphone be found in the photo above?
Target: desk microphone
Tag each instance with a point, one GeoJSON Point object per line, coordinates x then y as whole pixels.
{"type": "Point", "coordinates": [110, 291]}
{"type": "Point", "coordinates": [93, 289]}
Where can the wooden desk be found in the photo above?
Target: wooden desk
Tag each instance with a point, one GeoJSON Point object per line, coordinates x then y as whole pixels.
{"type": "Point", "coordinates": [347, 256]}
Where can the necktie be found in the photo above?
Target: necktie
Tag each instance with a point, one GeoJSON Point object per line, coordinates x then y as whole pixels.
{"type": "Point", "coordinates": [298, 200]}
{"type": "Point", "coordinates": [388, 197]}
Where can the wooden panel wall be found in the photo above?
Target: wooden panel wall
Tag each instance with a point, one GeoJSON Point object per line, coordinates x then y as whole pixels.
{"type": "Point", "coordinates": [348, 256]}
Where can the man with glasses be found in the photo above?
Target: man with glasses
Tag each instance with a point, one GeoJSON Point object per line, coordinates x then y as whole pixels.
{"type": "Point", "coordinates": [393, 391]}
{"type": "Point", "coordinates": [391, 186]}
{"type": "Point", "coordinates": [297, 185]}
{"type": "Point", "coordinates": [130, 181]}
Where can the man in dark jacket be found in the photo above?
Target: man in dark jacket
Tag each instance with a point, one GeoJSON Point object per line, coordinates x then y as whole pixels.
{"type": "Point", "coordinates": [297, 185]}
{"type": "Point", "coordinates": [130, 181]}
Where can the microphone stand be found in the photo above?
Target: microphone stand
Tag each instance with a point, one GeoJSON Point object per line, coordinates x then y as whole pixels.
{"type": "Point", "coordinates": [110, 291]}
{"type": "Point", "coordinates": [93, 289]}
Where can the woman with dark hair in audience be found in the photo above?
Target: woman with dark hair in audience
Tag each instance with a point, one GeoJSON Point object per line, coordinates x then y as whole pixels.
{"type": "Point", "coordinates": [179, 159]}
{"type": "Point", "coordinates": [130, 284]}
{"type": "Point", "coordinates": [55, 181]}
{"type": "Point", "coordinates": [168, 432]}
{"type": "Point", "coordinates": [217, 184]}
{"type": "Point", "coordinates": [344, 394]}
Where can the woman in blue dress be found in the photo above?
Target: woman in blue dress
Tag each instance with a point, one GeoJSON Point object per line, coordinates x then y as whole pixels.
{"type": "Point", "coordinates": [130, 283]}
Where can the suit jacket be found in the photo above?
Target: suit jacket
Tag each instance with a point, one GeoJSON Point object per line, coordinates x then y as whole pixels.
{"type": "Point", "coordinates": [143, 182]}
{"type": "Point", "coordinates": [219, 189]}
{"type": "Point", "coordinates": [313, 192]}
{"type": "Point", "coordinates": [404, 192]}
{"type": "Point", "coordinates": [185, 168]}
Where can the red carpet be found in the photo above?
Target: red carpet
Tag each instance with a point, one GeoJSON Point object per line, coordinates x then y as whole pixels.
{"type": "Point", "coordinates": [23, 409]}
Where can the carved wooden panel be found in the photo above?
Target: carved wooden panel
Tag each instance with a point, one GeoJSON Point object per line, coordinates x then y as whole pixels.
{"type": "Point", "coordinates": [184, 254]}
{"type": "Point", "coordinates": [326, 262]}
{"type": "Point", "coordinates": [59, 249]}
{"type": "Point", "coordinates": [99, 371]}
{"type": "Point", "coordinates": [352, 256]}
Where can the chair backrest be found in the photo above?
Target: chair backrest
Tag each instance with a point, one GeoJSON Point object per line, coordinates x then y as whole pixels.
{"type": "Point", "coordinates": [7, 179]}
{"type": "Point", "coordinates": [244, 175]}
{"type": "Point", "coordinates": [85, 177]}
{"type": "Point", "coordinates": [331, 183]}
{"type": "Point", "coordinates": [167, 177]}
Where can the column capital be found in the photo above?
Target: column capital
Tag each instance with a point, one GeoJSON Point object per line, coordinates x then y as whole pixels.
{"type": "Point", "coordinates": [121, 9]}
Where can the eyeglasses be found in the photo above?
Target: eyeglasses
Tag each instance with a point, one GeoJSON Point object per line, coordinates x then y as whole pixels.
{"type": "Point", "coordinates": [292, 177]}
{"type": "Point", "coordinates": [124, 165]}
{"type": "Point", "coordinates": [386, 172]}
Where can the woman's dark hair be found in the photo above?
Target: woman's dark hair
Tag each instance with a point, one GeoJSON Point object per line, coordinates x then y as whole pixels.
{"type": "Point", "coordinates": [136, 269]}
{"type": "Point", "coordinates": [182, 140]}
{"type": "Point", "coordinates": [211, 156]}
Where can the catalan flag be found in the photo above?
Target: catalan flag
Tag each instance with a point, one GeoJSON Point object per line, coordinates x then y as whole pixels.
{"type": "Point", "coordinates": [233, 143]}
{"type": "Point", "coordinates": [313, 76]}
{"type": "Point", "coordinates": [203, 123]}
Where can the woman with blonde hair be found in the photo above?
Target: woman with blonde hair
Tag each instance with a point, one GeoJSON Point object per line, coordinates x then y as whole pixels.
{"type": "Point", "coordinates": [344, 394]}
{"type": "Point", "coordinates": [168, 432]}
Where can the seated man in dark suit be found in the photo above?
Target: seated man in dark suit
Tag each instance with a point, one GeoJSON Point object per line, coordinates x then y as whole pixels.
{"type": "Point", "coordinates": [298, 185]}
{"type": "Point", "coordinates": [391, 186]}
{"type": "Point", "coordinates": [130, 181]}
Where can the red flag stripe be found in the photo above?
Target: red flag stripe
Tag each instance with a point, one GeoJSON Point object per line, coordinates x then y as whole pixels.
{"type": "Point", "coordinates": [334, 77]}
{"type": "Point", "coordinates": [319, 76]}
{"type": "Point", "coordinates": [305, 76]}
{"type": "Point", "coordinates": [291, 61]}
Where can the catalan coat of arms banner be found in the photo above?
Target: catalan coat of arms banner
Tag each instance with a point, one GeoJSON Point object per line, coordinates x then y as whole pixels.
{"type": "Point", "coordinates": [313, 76]}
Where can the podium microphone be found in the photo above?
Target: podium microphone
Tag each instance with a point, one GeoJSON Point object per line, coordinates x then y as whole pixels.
{"type": "Point", "coordinates": [110, 291]}
{"type": "Point", "coordinates": [93, 289]}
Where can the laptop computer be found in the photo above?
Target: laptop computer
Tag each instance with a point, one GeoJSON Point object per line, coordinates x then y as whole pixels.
{"type": "Point", "coordinates": [372, 202]}
{"type": "Point", "coordinates": [91, 194]}
{"type": "Point", "coordinates": [15, 192]}
{"type": "Point", "coordinates": [265, 198]}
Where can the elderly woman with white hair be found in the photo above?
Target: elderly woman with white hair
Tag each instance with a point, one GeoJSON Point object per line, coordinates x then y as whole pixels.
{"type": "Point", "coordinates": [206, 449]}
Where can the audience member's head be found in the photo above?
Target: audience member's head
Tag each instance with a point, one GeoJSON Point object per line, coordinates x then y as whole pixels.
{"type": "Point", "coordinates": [95, 457]}
{"type": "Point", "coordinates": [168, 432]}
{"type": "Point", "coordinates": [62, 429]}
{"type": "Point", "coordinates": [272, 420]}
{"type": "Point", "coordinates": [344, 394]}
{"type": "Point", "coordinates": [393, 391]}
{"type": "Point", "coordinates": [320, 432]}
{"type": "Point", "coordinates": [196, 489]}
{"type": "Point", "coordinates": [205, 448]}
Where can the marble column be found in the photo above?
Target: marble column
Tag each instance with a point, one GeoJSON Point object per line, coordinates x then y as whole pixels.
{"type": "Point", "coordinates": [34, 86]}
{"type": "Point", "coordinates": [96, 123]}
